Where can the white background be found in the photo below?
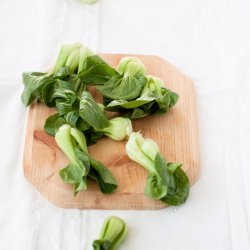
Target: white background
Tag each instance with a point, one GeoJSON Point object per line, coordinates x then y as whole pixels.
{"type": "Point", "coordinates": [207, 40]}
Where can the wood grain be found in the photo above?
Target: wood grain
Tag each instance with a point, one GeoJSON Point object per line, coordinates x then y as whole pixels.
{"type": "Point", "coordinates": [176, 133]}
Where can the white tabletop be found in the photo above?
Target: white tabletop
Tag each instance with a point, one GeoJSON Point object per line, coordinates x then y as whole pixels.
{"type": "Point", "coordinates": [207, 40]}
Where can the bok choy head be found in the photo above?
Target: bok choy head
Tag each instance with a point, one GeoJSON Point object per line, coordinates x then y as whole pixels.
{"type": "Point", "coordinates": [70, 61]}
{"type": "Point", "coordinates": [166, 181]}
{"type": "Point", "coordinates": [127, 83]}
{"type": "Point", "coordinates": [113, 232]}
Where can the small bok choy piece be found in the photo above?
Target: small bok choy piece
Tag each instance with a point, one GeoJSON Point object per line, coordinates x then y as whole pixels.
{"type": "Point", "coordinates": [154, 99]}
{"type": "Point", "coordinates": [41, 85]}
{"type": "Point", "coordinates": [113, 232]}
{"type": "Point", "coordinates": [128, 81]}
{"type": "Point", "coordinates": [73, 143]}
{"type": "Point", "coordinates": [166, 181]}
{"type": "Point", "coordinates": [89, 1]}
{"type": "Point", "coordinates": [119, 129]}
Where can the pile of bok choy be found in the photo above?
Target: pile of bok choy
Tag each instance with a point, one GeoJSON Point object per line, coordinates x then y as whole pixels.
{"type": "Point", "coordinates": [80, 121]}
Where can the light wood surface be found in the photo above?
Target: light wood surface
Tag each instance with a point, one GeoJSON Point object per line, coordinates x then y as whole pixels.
{"type": "Point", "coordinates": [175, 132]}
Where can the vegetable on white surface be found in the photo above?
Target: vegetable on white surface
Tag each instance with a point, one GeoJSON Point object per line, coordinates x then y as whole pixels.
{"type": "Point", "coordinates": [114, 231]}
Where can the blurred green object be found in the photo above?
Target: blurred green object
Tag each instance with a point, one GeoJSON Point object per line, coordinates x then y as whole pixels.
{"type": "Point", "coordinates": [113, 232]}
{"type": "Point", "coordinates": [89, 1]}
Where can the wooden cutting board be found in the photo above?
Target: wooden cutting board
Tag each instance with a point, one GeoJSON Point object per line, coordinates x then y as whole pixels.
{"type": "Point", "coordinates": [175, 132]}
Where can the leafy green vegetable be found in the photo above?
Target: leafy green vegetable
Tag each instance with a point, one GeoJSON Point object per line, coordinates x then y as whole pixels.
{"type": "Point", "coordinates": [81, 112]}
{"type": "Point", "coordinates": [130, 66]}
{"type": "Point", "coordinates": [166, 181]}
{"type": "Point", "coordinates": [73, 143]}
{"type": "Point", "coordinates": [128, 83]}
{"type": "Point", "coordinates": [75, 173]}
{"type": "Point", "coordinates": [41, 85]}
{"type": "Point", "coordinates": [178, 189]}
{"type": "Point", "coordinates": [53, 123]}
{"type": "Point", "coordinates": [93, 70]}
{"type": "Point", "coordinates": [119, 129]}
{"type": "Point", "coordinates": [123, 88]}
{"type": "Point", "coordinates": [91, 112]}
{"type": "Point", "coordinates": [89, 1]}
{"type": "Point", "coordinates": [34, 83]}
{"type": "Point", "coordinates": [64, 54]}
{"type": "Point", "coordinates": [113, 232]}
{"type": "Point", "coordinates": [102, 176]}
{"type": "Point", "coordinates": [153, 100]}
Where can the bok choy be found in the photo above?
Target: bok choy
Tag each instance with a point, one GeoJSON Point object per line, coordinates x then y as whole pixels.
{"type": "Point", "coordinates": [166, 181]}
{"type": "Point", "coordinates": [154, 99]}
{"type": "Point", "coordinates": [73, 144]}
{"type": "Point", "coordinates": [113, 232]}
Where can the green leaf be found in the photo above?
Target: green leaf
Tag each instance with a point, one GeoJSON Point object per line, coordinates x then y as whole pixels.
{"type": "Point", "coordinates": [101, 245]}
{"type": "Point", "coordinates": [178, 190]}
{"type": "Point", "coordinates": [149, 103]}
{"type": "Point", "coordinates": [72, 117]}
{"type": "Point", "coordinates": [33, 84]}
{"type": "Point", "coordinates": [173, 99]}
{"type": "Point", "coordinates": [157, 182]}
{"type": "Point", "coordinates": [91, 112]}
{"type": "Point", "coordinates": [65, 97]}
{"type": "Point", "coordinates": [72, 174]}
{"type": "Point", "coordinates": [138, 113]}
{"type": "Point", "coordinates": [95, 70]}
{"type": "Point", "coordinates": [102, 176]}
{"type": "Point", "coordinates": [47, 93]}
{"type": "Point", "coordinates": [121, 87]}
{"type": "Point", "coordinates": [53, 123]}
{"type": "Point", "coordinates": [92, 136]}
{"type": "Point", "coordinates": [82, 125]}
{"type": "Point", "coordinates": [117, 105]}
